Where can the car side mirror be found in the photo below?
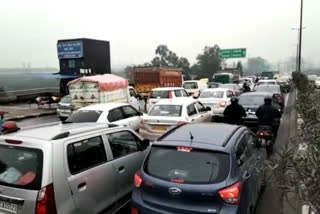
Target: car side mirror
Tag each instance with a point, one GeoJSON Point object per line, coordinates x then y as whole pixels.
{"type": "Point", "coordinates": [138, 96]}
{"type": "Point", "coordinates": [144, 144]}
{"type": "Point", "coordinates": [208, 108]}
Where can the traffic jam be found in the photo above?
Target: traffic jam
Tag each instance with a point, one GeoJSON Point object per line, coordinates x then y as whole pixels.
{"type": "Point", "coordinates": [157, 145]}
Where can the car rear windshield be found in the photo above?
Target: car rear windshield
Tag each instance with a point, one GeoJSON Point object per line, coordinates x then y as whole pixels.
{"type": "Point", "coordinates": [193, 167]}
{"type": "Point", "coordinates": [190, 85]}
{"type": "Point", "coordinates": [21, 167]}
{"type": "Point", "coordinates": [66, 99]}
{"type": "Point", "coordinates": [227, 86]}
{"type": "Point", "coordinates": [84, 116]}
{"type": "Point", "coordinates": [251, 100]}
{"type": "Point", "coordinates": [212, 94]}
{"type": "Point", "coordinates": [166, 110]}
{"type": "Point", "coordinates": [160, 94]}
{"type": "Point", "coordinates": [268, 89]}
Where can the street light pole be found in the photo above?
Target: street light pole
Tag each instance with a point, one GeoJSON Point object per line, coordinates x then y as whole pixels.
{"type": "Point", "coordinates": [300, 37]}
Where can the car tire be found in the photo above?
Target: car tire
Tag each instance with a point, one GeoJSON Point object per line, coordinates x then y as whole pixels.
{"type": "Point", "coordinates": [62, 119]}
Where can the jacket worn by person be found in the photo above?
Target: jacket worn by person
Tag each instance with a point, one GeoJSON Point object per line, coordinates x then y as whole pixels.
{"type": "Point", "coordinates": [267, 114]}
{"type": "Point", "coordinates": [234, 114]}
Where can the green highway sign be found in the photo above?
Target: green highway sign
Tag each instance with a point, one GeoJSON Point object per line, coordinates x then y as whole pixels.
{"type": "Point", "coordinates": [233, 53]}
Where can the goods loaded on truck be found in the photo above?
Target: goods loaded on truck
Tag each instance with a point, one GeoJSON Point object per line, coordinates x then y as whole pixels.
{"type": "Point", "coordinates": [150, 77]}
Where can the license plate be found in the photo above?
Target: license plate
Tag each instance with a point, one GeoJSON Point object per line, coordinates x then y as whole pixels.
{"type": "Point", "coordinates": [160, 128]}
{"type": "Point", "coordinates": [8, 207]}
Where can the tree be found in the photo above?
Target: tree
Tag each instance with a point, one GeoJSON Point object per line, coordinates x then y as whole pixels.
{"type": "Point", "coordinates": [208, 62]}
{"type": "Point", "coordinates": [257, 65]}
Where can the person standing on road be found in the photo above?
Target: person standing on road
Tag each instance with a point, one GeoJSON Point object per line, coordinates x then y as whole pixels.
{"type": "Point", "coordinates": [234, 112]}
{"type": "Point", "coordinates": [269, 115]}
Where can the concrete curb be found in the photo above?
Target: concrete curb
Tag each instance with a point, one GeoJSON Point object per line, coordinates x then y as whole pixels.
{"type": "Point", "coordinates": [21, 117]}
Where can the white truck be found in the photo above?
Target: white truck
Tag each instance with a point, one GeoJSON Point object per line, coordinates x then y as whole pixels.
{"type": "Point", "coordinates": [105, 88]}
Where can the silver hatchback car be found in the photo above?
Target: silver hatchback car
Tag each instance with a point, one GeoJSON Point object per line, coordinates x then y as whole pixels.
{"type": "Point", "coordinates": [68, 168]}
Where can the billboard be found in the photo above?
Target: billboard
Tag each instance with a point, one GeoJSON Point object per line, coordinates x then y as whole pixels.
{"type": "Point", "coordinates": [70, 49]}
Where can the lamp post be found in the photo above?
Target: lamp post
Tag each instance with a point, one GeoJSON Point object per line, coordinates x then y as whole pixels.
{"type": "Point", "coordinates": [298, 57]}
{"type": "Point", "coordinates": [300, 36]}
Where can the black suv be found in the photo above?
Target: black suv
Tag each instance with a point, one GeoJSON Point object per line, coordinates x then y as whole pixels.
{"type": "Point", "coordinates": [201, 168]}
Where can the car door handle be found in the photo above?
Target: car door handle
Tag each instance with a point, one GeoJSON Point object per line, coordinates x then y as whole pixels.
{"type": "Point", "coordinates": [82, 186]}
{"type": "Point", "coordinates": [121, 169]}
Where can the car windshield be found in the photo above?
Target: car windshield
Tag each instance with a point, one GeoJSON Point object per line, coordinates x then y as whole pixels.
{"type": "Point", "coordinates": [21, 167]}
{"type": "Point", "coordinates": [212, 94]}
{"type": "Point", "coordinates": [213, 85]}
{"type": "Point", "coordinates": [251, 100]}
{"type": "Point", "coordinates": [66, 99]}
{"type": "Point", "coordinates": [159, 94]}
{"type": "Point", "coordinates": [84, 116]}
{"type": "Point", "coordinates": [268, 89]}
{"type": "Point", "coordinates": [229, 86]}
{"type": "Point", "coordinates": [194, 166]}
{"type": "Point", "coordinates": [166, 110]}
{"type": "Point", "coordinates": [190, 85]}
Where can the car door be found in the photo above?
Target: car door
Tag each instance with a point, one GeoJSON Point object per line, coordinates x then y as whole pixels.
{"type": "Point", "coordinates": [132, 116]}
{"type": "Point", "coordinates": [116, 116]}
{"type": "Point", "coordinates": [205, 116]}
{"type": "Point", "coordinates": [244, 161]}
{"type": "Point", "coordinates": [91, 177]}
{"type": "Point", "coordinates": [193, 114]}
{"type": "Point", "coordinates": [127, 159]}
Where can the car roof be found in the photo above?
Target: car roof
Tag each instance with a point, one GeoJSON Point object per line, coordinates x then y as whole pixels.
{"type": "Point", "coordinates": [216, 89]}
{"type": "Point", "coordinates": [103, 106]}
{"type": "Point", "coordinates": [212, 136]}
{"type": "Point", "coordinates": [167, 89]}
{"type": "Point", "coordinates": [268, 86]}
{"type": "Point", "coordinates": [256, 94]}
{"type": "Point", "coordinates": [178, 101]}
{"type": "Point", "coordinates": [51, 131]}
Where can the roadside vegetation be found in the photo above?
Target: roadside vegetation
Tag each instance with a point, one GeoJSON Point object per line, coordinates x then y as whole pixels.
{"type": "Point", "coordinates": [296, 169]}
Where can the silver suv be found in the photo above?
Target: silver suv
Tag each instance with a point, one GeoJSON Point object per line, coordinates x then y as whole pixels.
{"type": "Point", "coordinates": [68, 168]}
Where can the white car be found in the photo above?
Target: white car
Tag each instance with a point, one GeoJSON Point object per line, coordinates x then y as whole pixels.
{"type": "Point", "coordinates": [194, 87]}
{"type": "Point", "coordinates": [267, 82]}
{"type": "Point", "coordinates": [249, 81]}
{"type": "Point", "coordinates": [317, 83]}
{"type": "Point", "coordinates": [167, 114]}
{"type": "Point", "coordinates": [158, 94]}
{"type": "Point", "coordinates": [217, 99]}
{"type": "Point", "coordinates": [111, 113]}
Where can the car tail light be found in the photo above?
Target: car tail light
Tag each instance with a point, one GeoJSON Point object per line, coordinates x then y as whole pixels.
{"type": "Point", "coordinates": [260, 134]}
{"type": "Point", "coordinates": [13, 141]}
{"type": "Point", "coordinates": [181, 123]}
{"type": "Point", "coordinates": [170, 94]}
{"type": "Point", "coordinates": [45, 201]}
{"type": "Point", "coordinates": [137, 180]}
{"type": "Point", "coordinates": [223, 103]}
{"type": "Point", "coordinates": [180, 181]}
{"type": "Point", "coordinates": [278, 97]}
{"type": "Point", "coordinates": [231, 195]}
{"type": "Point", "coordinates": [134, 210]}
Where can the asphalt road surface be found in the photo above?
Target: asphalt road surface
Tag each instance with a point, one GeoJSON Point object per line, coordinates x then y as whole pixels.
{"type": "Point", "coordinates": [269, 201]}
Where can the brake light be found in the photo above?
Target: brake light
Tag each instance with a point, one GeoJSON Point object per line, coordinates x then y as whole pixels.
{"type": "Point", "coordinates": [45, 202]}
{"type": "Point", "coordinates": [13, 141]}
{"type": "Point", "coordinates": [260, 133]}
{"type": "Point", "coordinates": [184, 149]}
{"type": "Point", "coordinates": [170, 94]}
{"type": "Point", "coordinates": [134, 210]}
{"type": "Point", "coordinates": [180, 181]}
{"type": "Point", "coordinates": [231, 195]}
{"type": "Point", "coordinates": [223, 103]}
{"type": "Point", "coordinates": [181, 123]}
{"type": "Point", "coordinates": [137, 180]}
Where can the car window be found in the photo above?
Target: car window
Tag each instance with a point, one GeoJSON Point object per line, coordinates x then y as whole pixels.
{"type": "Point", "coordinates": [123, 143]}
{"type": "Point", "coordinates": [187, 166]}
{"type": "Point", "coordinates": [132, 92]}
{"type": "Point", "coordinates": [190, 85]}
{"type": "Point", "coordinates": [84, 116]}
{"type": "Point", "coordinates": [251, 100]}
{"type": "Point", "coordinates": [85, 154]}
{"type": "Point", "coordinates": [129, 112]}
{"type": "Point", "coordinates": [161, 94]}
{"type": "Point", "coordinates": [200, 107]}
{"type": "Point", "coordinates": [166, 110]}
{"type": "Point", "coordinates": [115, 115]}
{"type": "Point", "coordinates": [177, 93]}
{"type": "Point", "coordinates": [229, 94]}
{"type": "Point", "coordinates": [21, 167]}
{"type": "Point", "coordinates": [211, 94]}
{"type": "Point", "coordinates": [191, 110]}
{"type": "Point", "coordinates": [242, 152]}
{"type": "Point", "coordinates": [184, 93]}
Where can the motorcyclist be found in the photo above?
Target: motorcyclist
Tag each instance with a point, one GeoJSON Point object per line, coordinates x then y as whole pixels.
{"type": "Point", "coordinates": [269, 115]}
{"type": "Point", "coordinates": [234, 112]}
{"type": "Point", "coordinates": [246, 87]}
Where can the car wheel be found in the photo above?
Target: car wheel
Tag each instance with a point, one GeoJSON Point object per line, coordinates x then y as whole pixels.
{"type": "Point", "coordinates": [62, 119]}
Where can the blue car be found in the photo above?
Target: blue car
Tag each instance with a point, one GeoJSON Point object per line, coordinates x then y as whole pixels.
{"type": "Point", "coordinates": [201, 168]}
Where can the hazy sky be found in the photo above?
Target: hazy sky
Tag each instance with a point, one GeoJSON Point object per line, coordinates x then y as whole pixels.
{"type": "Point", "coordinates": [30, 29]}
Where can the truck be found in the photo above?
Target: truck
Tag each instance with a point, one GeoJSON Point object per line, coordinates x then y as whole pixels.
{"type": "Point", "coordinates": [96, 89]}
{"type": "Point", "coordinates": [150, 77]}
{"type": "Point", "coordinates": [228, 75]}
{"type": "Point", "coordinates": [267, 74]}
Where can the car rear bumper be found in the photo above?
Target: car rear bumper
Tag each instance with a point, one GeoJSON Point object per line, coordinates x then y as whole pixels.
{"type": "Point", "coordinates": [145, 208]}
{"type": "Point", "coordinates": [152, 136]}
{"type": "Point", "coordinates": [63, 112]}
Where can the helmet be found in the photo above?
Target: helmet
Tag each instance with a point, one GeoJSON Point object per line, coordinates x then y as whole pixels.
{"type": "Point", "coordinates": [267, 100]}
{"type": "Point", "coordinates": [234, 100]}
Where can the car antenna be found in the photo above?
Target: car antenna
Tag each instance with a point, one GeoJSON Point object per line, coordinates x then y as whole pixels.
{"type": "Point", "coordinates": [191, 138]}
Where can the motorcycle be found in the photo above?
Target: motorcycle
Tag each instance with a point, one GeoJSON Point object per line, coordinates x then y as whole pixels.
{"type": "Point", "coordinates": [266, 137]}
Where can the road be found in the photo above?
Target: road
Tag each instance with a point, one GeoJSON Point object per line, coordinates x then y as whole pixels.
{"type": "Point", "coordinates": [269, 201]}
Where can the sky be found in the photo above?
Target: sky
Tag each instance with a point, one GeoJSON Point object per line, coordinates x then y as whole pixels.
{"type": "Point", "coordinates": [30, 29]}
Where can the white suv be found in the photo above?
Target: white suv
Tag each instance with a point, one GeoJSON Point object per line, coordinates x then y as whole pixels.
{"type": "Point", "coordinates": [68, 168]}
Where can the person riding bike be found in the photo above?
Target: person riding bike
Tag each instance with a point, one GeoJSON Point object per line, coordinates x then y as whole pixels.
{"type": "Point", "coordinates": [246, 87]}
{"type": "Point", "coordinates": [268, 115]}
{"type": "Point", "coordinates": [234, 112]}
